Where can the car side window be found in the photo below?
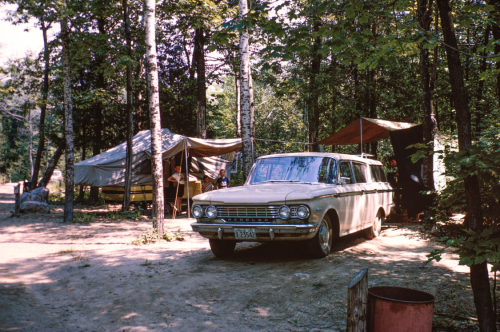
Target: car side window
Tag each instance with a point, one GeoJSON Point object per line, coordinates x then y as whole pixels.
{"type": "Point", "coordinates": [359, 172]}
{"type": "Point", "coordinates": [377, 173]}
{"type": "Point", "coordinates": [328, 171]}
{"type": "Point", "coordinates": [345, 172]}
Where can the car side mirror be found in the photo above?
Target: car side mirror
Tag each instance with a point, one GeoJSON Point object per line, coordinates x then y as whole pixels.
{"type": "Point", "coordinates": [345, 180]}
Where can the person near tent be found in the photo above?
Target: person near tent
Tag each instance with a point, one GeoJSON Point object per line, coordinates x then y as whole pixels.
{"type": "Point", "coordinates": [222, 180]}
{"type": "Point", "coordinates": [393, 179]}
{"type": "Point", "coordinates": [393, 176]}
{"type": "Point", "coordinates": [207, 185]}
{"type": "Point", "coordinates": [178, 179]}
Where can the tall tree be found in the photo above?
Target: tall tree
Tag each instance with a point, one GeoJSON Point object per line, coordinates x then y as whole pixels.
{"type": "Point", "coordinates": [68, 117]}
{"type": "Point", "coordinates": [474, 218]}
{"type": "Point", "coordinates": [313, 100]}
{"type": "Point", "coordinates": [246, 121]}
{"type": "Point", "coordinates": [424, 14]}
{"type": "Point", "coordinates": [44, 26]}
{"type": "Point", "coordinates": [130, 112]}
{"type": "Point", "coordinates": [199, 64]}
{"type": "Point", "coordinates": [154, 116]}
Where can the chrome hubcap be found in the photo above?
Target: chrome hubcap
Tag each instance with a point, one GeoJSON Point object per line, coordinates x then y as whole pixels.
{"type": "Point", "coordinates": [324, 236]}
{"type": "Point", "coordinates": [377, 225]}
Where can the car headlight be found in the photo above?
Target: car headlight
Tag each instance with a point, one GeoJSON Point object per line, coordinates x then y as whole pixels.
{"type": "Point", "coordinates": [303, 212]}
{"type": "Point", "coordinates": [197, 211]}
{"type": "Point", "coordinates": [211, 212]}
{"type": "Point", "coordinates": [284, 212]}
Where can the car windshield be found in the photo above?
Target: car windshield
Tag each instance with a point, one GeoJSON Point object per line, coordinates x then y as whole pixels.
{"type": "Point", "coordinates": [295, 169]}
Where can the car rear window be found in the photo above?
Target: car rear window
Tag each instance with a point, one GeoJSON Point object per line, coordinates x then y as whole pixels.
{"type": "Point", "coordinates": [377, 173]}
{"type": "Point", "coordinates": [359, 172]}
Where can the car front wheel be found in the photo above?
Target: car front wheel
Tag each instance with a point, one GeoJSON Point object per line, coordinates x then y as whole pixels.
{"type": "Point", "coordinates": [321, 244]}
{"type": "Point", "coordinates": [222, 248]}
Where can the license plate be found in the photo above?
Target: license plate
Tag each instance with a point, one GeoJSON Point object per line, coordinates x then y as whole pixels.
{"type": "Point", "coordinates": [244, 233]}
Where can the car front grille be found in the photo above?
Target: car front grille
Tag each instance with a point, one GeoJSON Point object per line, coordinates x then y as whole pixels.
{"type": "Point", "coordinates": [270, 212]}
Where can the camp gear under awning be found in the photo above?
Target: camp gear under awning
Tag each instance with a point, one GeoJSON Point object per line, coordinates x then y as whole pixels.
{"type": "Point", "coordinates": [373, 130]}
{"type": "Point", "coordinates": [402, 135]}
{"type": "Point", "coordinates": [108, 168]}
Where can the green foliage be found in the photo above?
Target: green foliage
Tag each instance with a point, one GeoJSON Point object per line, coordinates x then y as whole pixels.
{"type": "Point", "coordinates": [131, 214]}
{"type": "Point", "coordinates": [56, 199]}
{"type": "Point", "coordinates": [147, 237]}
{"type": "Point", "coordinates": [151, 236]}
{"type": "Point", "coordinates": [82, 217]}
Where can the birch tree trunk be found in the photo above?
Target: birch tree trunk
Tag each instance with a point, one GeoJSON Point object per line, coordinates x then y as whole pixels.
{"type": "Point", "coordinates": [474, 219]}
{"type": "Point", "coordinates": [68, 120]}
{"type": "Point", "coordinates": [154, 116]}
{"type": "Point", "coordinates": [130, 113]}
{"type": "Point", "coordinates": [246, 121]}
{"type": "Point", "coordinates": [43, 106]}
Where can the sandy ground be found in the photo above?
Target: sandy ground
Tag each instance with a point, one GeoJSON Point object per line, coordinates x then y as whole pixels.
{"type": "Point", "coordinates": [88, 277]}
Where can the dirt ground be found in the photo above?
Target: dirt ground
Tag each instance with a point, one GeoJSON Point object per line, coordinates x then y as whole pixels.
{"type": "Point", "coordinates": [88, 277]}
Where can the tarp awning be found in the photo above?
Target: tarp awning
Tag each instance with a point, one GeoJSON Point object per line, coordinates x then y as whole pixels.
{"type": "Point", "coordinates": [373, 130]}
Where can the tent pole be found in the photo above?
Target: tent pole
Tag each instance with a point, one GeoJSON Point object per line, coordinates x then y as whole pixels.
{"type": "Point", "coordinates": [361, 135]}
{"type": "Point", "coordinates": [187, 177]}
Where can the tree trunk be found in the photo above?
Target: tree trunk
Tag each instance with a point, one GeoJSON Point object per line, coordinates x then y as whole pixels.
{"type": "Point", "coordinates": [154, 115]}
{"type": "Point", "coordinates": [68, 121]}
{"type": "Point", "coordinates": [373, 93]}
{"type": "Point", "coordinates": [424, 14]}
{"type": "Point", "coordinates": [474, 218]}
{"type": "Point", "coordinates": [495, 29]}
{"type": "Point", "coordinates": [238, 104]}
{"type": "Point", "coordinates": [480, 108]}
{"type": "Point", "coordinates": [43, 106]}
{"type": "Point", "coordinates": [246, 121]}
{"type": "Point", "coordinates": [130, 113]}
{"type": "Point", "coordinates": [30, 145]}
{"type": "Point", "coordinates": [201, 125]}
{"type": "Point", "coordinates": [313, 100]}
{"type": "Point", "coordinates": [434, 68]}
{"type": "Point", "coordinates": [50, 168]}
{"type": "Point", "coordinates": [98, 108]}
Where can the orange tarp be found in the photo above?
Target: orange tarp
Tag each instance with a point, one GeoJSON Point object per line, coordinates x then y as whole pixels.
{"type": "Point", "coordinates": [373, 130]}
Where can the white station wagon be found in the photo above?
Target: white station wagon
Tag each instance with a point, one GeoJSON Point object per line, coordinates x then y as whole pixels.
{"type": "Point", "coordinates": [309, 197]}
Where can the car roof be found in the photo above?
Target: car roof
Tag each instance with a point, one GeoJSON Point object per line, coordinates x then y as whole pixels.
{"type": "Point", "coordinates": [338, 156]}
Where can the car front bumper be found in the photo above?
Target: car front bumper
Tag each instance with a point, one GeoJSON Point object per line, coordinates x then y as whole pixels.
{"type": "Point", "coordinates": [264, 232]}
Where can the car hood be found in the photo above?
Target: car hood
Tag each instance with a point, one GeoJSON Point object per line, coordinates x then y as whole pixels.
{"type": "Point", "coordinates": [265, 193]}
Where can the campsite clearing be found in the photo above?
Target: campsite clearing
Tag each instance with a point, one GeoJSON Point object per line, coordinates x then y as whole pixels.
{"type": "Point", "coordinates": [88, 277]}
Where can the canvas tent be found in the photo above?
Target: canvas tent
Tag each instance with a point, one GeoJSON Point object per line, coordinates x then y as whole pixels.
{"type": "Point", "coordinates": [108, 168]}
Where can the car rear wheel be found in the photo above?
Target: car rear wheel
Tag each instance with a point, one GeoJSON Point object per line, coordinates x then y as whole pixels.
{"type": "Point", "coordinates": [221, 248]}
{"type": "Point", "coordinates": [374, 230]}
{"type": "Point", "coordinates": [321, 244]}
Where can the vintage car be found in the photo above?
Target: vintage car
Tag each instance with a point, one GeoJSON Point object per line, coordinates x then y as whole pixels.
{"type": "Point", "coordinates": [309, 197]}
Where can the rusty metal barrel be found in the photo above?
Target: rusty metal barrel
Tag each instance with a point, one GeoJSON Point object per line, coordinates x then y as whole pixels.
{"type": "Point", "coordinates": [398, 309]}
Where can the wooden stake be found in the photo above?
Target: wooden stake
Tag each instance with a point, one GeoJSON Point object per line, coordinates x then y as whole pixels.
{"type": "Point", "coordinates": [174, 210]}
{"type": "Point", "coordinates": [17, 190]}
{"type": "Point", "coordinates": [357, 302]}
